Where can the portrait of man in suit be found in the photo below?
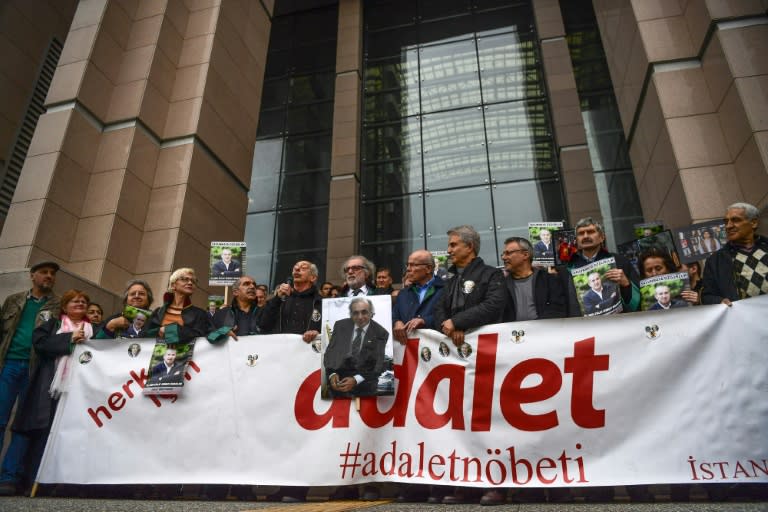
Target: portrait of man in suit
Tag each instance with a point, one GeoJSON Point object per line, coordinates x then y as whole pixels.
{"type": "Point", "coordinates": [226, 266]}
{"type": "Point", "coordinates": [355, 356]}
{"type": "Point", "coordinates": [601, 296]}
{"type": "Point", "coordinates": [168, 371]}
{"type": "Point", "coordinates": [543, 248]}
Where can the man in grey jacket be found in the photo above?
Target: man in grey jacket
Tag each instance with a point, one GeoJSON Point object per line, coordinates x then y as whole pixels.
{"type": "Point", "coordinates": [21, 313]}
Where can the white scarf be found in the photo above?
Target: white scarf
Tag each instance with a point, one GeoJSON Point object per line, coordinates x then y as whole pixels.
{"type": "Point", "coordinates": [60, 378]}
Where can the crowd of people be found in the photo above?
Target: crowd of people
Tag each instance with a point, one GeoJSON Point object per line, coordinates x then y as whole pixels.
{"type": "Point", "coordinates": [40, 329]}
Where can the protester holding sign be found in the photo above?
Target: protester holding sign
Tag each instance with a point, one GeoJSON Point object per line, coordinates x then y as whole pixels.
{"type": "Point", "coordinates": [137, 294]}
{"type": "Point", "coordinates": [655, 262]}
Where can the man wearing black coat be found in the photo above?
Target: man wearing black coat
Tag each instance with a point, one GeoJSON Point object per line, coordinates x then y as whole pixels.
{"type": "Point", "coordinates": [474, 293]}
{"type": "Point", "coordinates": [534, 293]}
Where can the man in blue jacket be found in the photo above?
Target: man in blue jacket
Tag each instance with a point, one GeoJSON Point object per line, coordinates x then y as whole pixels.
{"type": "Point", "coordinates": [414, 304]}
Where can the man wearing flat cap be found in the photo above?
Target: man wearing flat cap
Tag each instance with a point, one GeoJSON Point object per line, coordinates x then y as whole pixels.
{"type": "Point", "coordinates": [21, 313]}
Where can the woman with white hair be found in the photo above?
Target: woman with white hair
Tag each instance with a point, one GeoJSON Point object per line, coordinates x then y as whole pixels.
{"type": "Point", "coordinates": [177, 320]}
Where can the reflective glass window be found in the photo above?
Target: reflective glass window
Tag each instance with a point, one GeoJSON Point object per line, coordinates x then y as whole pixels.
{"type": "Point", "coordinates": [449, 76]}
{"type": "Point", "coordinates": [311, 117]}
{"type": "Point", "coordinates": [508, 67]}
{"type": "Point", "coordinates": [517, 204]}
{"type": "Point", "coordinates": [390, 178]}
{"type": "Point", "coordinates": [451, 208]}
{"type": "Point", "coordinates": [302, 229]}
{"type": "Point", "coordinates": [519, 142]}
{"type": "Point", "coordinates": [259, 233]}
{"type": "Point", "coordinates": [265, 175]}
{"type": "Point", "coordinates": [390, 43]}
{"type": "Point", "coordinates": [517, 18]}
{"type": "Point", "coordinates": [399, 140]}
{"type": "Point", "coordinates": [385, 14]}
{"type": "Point", "coordinates": [274, 93]}
{"type": "Point", "coordinates": [271, 122]}
{"type": "Point", "coordinates": [446, 30]}
{"type": "Point", "coordinates": [310, 152]}
{"type": "Point", "coordinates": [454, 149]}
{"type": "Point", "coordinates": [304, 189]}
{"type": "Point", "coordinates": [392, 87]}
{"type": "Point", "coordinates": [311, 88]}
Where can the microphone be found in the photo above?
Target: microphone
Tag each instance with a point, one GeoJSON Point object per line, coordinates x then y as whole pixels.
{"type": "Point", "coordinates": [289, 282]}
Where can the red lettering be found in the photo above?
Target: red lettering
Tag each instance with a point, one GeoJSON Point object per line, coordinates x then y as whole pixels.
{"type": "Point", "coordinates": [304, 407]}
{"type": "Point", "coordinates": [425, 398]}
{"type": "Point", "coordinates": [583, 365]}
{"type": "Point", "coordinates": [540, 466]}
{"type": "Point", "coordinates": [757, 467]}
{"type": "Point", "coordinates": [513, 394]}
{"type": "Point", "coordinates": [405, 374]}
{"type": "Point", "coordinates": [440, 462]}
{"type": "Point", "coordinates": [513, 463]}
{"type": "Point", "coordinates": [141, 378]}
{"type": "Point", "coordinates": [116, 401]}
{"type": "Point", "coordinates": [127, 388]}
{"type": "Point", "coordinates": [95, 415]}
{"type": "Point", "coordinates": [482, 399]}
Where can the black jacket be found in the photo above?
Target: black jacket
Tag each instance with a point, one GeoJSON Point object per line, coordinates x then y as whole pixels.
{"type": "Point", "coordinates": [474, 304]}
{"type": "Point", "coordinates": [298, 313]}
{"type": "Point", "coordinates": [719, 279]}
{"type": "Point", "coordinates": [549, 297]}
{"type": "Point", "coordinates": [197, 323]}
{"type": "Point", "coordinates": [37, 409]}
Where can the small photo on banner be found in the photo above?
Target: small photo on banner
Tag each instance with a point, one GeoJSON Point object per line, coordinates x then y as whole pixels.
{"type": "Point", "coordinates": [663, 292]}
{"type": "Point", "coordinates": [648, 228]}
{"type": "Point", "coordinates": [540, 236]}
{"type": "Point", "coordinates": [596, 294]}
{"type": "Point", "coordinates": [167, 368]}
{"type": "Point", "coordinates": [564, 241]}
{"type": "Point", "coordinates": [357, 347]}
{"type": "Point", "coordinates": [227, 263]}
{"type": "Point", "coordinates": [697, 241]}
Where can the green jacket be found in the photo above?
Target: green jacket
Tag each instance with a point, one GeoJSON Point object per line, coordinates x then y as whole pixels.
{"type": "Point", "coordinates": [11, 314]}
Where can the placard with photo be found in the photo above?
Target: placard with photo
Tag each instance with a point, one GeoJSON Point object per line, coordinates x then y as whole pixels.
{"type": "Point", "coordinates": [664, 291]}
{"type": "Point", "coordinates": [167, 367]}
{"type": "Point", "coordinates": [227, 263]}
{"type": "Point", "coordinates": [596, 294]}
{"type": "Point", "coordinates": [697, 241]}
{"type": "Point", "coordinates": [565, 245]}
{"type": "Point", "coordinates": [540, 236]}
{"type": "Point", "coordinates": [357, 347]}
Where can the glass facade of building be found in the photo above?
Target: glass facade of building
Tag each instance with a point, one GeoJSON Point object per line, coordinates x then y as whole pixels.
{"type": "Point", "coordinates": [456, 127]}
{"type": "Point", "coordinates": [616, 188]}
{"type": "Point", "coordinates": [288, 200]}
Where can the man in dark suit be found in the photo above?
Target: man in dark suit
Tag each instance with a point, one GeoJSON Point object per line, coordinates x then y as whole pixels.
{"type": "Point", "coordinates": [354, 358]}
{"type": "Point", "coordinates": [168, 372]}
{"type": "Point", "coordinates": [664, 299]}
{"type": "Point", "coordinates": [601, 297]}
{"type": "Point", "coordinates": [543, 248]}
{"type": "Point", "coordinates": [226, 267]}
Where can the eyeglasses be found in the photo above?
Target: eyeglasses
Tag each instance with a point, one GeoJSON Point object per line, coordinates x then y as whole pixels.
{"type": "Point", "coordinates": [354, 268]}
{"type": "Point", "coordinates": [187, 279]}
{"type": "Point", "coordinates": [510, 253]}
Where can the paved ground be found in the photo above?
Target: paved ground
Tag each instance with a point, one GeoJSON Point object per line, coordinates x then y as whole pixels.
{"type": "Point", "coordinates": [89, 505]}
{"type": "Point", "coordinates": [67, 505]}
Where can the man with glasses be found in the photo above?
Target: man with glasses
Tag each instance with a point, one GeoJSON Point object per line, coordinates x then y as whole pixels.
{"type": "Point", "coordinates": [533, 293]}
{"type": "Point", "coordinates": [354, 358]}
{"type": "Point", "coordinates": [357, 273]}
{"type": "Point", "coordinates": [242, 317]}
{"type": "Point", "coordinates": [414, 305]}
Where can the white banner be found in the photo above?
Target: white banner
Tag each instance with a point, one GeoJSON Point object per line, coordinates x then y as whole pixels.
{"type": "Point", "coordinates": [666, 397]}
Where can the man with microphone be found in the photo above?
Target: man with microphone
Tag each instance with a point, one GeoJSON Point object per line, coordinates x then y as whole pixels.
{"type": "Point", "coordinates": [297, 305]}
